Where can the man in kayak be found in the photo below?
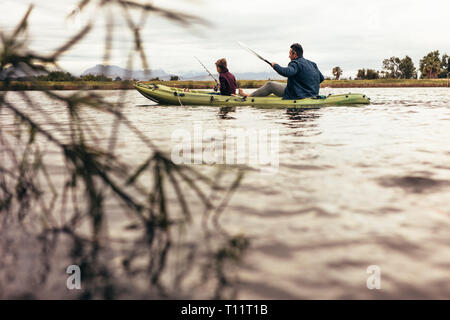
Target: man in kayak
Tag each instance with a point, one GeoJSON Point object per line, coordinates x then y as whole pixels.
{"type": "Point", "coordinates": [304, 78]}
{"type": "Point", "coordinates": [227, 80]}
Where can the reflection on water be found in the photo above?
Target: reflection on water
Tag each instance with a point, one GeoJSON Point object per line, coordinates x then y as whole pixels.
{"type": "Point", "coordinates": [224, 113]}
{"type": "Point", "coordinates": [301, 114]}
{"type": "Point", "coordinates": [356, 186]}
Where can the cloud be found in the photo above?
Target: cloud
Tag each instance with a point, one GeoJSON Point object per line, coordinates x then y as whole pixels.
{"type": "Point", "coordinates": [349, 33]}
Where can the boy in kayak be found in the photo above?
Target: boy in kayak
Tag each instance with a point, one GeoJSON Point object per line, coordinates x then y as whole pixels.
{"type": "Point", "coordinates": [227, 80]}
{"type": "Point", "coordinates": [304, 78]}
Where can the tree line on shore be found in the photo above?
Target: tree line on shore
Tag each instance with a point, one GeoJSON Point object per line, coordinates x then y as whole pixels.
{"type": "Point", "coordinates": [431, 66]}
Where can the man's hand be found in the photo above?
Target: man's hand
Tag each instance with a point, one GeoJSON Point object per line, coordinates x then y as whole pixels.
{"type": "Point", "coordinates": [216, 88]}
{"type": "Point", "coordinates": [273, 64]}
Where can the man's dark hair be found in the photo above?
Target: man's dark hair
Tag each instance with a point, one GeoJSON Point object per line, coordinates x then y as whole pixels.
{"type": "Point", "coordinates": [297, 48]}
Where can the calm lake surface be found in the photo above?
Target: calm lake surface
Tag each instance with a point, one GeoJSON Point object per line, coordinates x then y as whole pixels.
{"type": "Point", "coordinates": [354, 187]}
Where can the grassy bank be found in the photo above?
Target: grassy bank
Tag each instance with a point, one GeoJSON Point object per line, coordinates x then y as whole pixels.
{"type": "Point", "coordinates": [115, 85]}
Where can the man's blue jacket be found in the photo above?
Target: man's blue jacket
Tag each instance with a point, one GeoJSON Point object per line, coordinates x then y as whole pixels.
{"type": "Point", "coordinates": [304, 79]}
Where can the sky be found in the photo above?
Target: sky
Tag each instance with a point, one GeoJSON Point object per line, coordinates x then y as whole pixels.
{"type": "Point", "coordinates": [351, 34]}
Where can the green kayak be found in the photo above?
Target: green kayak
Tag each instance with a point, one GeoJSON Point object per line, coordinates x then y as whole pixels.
{"type": "Point", "coordinates": [174, 96]}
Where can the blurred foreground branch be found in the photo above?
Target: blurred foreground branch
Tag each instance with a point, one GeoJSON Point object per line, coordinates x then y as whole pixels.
{"type": "Point", "coordinates": [63, 207]}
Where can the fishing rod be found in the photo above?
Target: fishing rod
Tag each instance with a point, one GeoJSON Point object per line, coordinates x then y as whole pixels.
{"type": "Point", "coordinates": [217, 82]}
{"type": "Point", "coordinates": [251, 51]}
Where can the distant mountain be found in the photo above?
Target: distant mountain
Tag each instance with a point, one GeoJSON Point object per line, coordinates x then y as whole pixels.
{"type": "Point", "coordinates": [115, 71]}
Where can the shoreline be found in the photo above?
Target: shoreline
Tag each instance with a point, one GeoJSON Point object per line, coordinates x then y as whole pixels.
{"type": "Point", "coordinates": [191, 84]}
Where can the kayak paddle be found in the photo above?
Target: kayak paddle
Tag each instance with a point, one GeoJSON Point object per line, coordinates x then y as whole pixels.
{"type": "Point", "coordinates": [251, 51]}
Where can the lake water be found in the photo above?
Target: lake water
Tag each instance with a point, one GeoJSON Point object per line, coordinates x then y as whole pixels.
{"type": "Point", "coordinates": [353, 187]}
